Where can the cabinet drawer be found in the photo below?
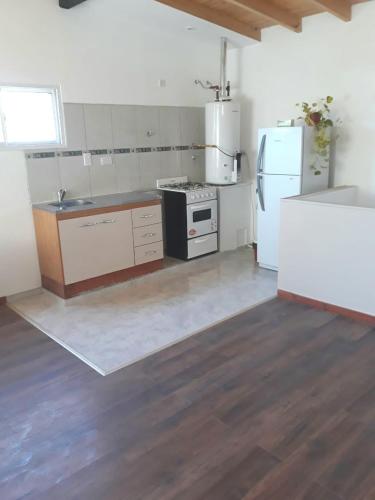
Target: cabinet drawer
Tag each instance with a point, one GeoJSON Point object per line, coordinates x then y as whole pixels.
{"type": "Point", "coordinates": [147, 253]}
{"type": "Point", "coordinates": [147, 234]}
{"type": "Point", "coordinates": [96, 245]}
{"type": "Point", "coordinates": [145, 216]}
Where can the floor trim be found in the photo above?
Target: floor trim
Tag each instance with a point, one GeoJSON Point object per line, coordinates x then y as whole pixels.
{"type": "Point", "coordinates": [318, 304]}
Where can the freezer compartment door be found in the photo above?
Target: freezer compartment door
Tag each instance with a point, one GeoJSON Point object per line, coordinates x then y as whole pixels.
{"type": "Point", "coordinates": [282, 151]}
{"type": "Point", "coordinates": [275, 187]}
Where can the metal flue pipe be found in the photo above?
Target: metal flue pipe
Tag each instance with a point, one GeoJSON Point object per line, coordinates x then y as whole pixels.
{"type": "Point", "coordinates": [223, 67]}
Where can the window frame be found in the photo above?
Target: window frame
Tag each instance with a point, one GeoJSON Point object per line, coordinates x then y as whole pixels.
{"type": "Point", "coordinates": [55, 91]}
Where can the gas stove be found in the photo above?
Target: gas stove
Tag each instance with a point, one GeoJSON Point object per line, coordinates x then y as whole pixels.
{"type": "Point", "coordinates": [190, 210]}
{"type": "Point", "coordinates": [195, 191]}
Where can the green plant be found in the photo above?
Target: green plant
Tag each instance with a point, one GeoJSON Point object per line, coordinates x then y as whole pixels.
{"type": "Point", "coordinates": [317, 115]}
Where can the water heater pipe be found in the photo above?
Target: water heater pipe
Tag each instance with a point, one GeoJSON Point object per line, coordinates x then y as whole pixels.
{"type": "Point", "coordinates": [223, 67]}
{"type": "Point", "coordinates": [200, 146]}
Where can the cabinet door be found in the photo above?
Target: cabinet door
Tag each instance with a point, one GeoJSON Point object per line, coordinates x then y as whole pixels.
{"type": "Point", "coordinates": [96, 245]}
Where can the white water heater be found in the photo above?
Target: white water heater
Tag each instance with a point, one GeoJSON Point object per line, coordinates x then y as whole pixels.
{"type": "Point", "coordinates": [222, 141]}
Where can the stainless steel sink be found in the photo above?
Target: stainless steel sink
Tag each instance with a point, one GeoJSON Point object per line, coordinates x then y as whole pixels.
{"type": "Point", "coordinates": [71, 204]}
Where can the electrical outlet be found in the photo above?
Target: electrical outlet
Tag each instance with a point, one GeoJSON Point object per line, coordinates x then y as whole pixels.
{"type": "Point", "coordinates": [87, 159]}
{"type": "Point", "coordinates": [106, 160]}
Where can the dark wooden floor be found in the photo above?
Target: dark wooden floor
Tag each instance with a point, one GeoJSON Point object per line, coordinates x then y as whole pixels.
{"type": "Point", "coordinates": [275, 404]}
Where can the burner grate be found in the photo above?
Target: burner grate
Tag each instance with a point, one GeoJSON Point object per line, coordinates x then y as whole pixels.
{"type": "Point", "coordinates": [186, 186]}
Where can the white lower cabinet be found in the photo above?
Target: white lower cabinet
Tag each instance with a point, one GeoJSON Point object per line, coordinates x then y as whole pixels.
{"type": "Point", "coordinates": [144, 216]}
{"type": "Point", "coordinates": [96, 245]}
{"type": "Point", "coordinates": [148, 253]}
{"type": "Point", "coordinates": [147, 234]}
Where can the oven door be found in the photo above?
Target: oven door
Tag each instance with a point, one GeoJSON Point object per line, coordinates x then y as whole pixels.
{"type": "Point", "coordinates": [201, 218]}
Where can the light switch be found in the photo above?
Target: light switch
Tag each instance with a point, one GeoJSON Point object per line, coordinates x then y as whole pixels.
{"type": "Point", "coordinates": [87, 159]}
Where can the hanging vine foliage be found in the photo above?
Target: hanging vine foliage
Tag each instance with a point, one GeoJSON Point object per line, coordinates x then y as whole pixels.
{"type": "Point", "coordinates": [317, 115]}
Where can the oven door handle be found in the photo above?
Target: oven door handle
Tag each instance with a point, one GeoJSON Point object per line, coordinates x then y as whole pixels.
{"type": "Point", "coordinates": [201, 207]}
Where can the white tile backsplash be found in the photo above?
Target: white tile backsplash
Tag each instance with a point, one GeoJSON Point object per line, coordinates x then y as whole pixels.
{"type": "Point", "coordinates": [170, 132]}
{"type": "Point", "coordinates": [150, 169]}
{"type": "Point", "coordinates": [75, 127]}
{"type": "Point", "coordinates": [75, 177]}
{"type": "Point", "coordinates": [127, 172]}
{"type": "Point", "coordinates": [170, 164]}
{"type": "Point", "coordinates": [124, 125]}
{"type": "Point", "coordinates": [192, 164]}
{"type": "Point", "coordinates": [98, 122]}
{"type": "Point", "coordinates": [148, 128]}
{"type": "Point", "coordinates": [103, 177]}
{"type": "Point", "coordinates": [107, 127]}
{"type": "Point", "coordinates": [192, 125]}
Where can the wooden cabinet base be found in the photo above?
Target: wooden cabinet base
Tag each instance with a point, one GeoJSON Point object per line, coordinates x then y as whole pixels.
{"type": "Point", "coordinates": [68, 291]}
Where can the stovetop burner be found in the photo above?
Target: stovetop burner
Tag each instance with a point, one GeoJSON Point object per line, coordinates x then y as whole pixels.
{"type": "Point", "coordinates": [194, 192]}
{"type": "Point", "coordinates": [186, 186]}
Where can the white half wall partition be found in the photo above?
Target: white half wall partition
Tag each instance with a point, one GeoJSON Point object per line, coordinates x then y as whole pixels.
{"type": "Point", "coordinates": [327, 249]}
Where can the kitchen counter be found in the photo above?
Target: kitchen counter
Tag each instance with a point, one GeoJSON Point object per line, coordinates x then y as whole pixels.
{"type": "Point", "coordinates": [104, 201]}
{"type": "Point", "coordinates": [82, 247]}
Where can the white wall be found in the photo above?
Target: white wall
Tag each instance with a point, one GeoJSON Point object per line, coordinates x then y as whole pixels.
{"type": "Point", "coordinates": [327, 251]}
{"type": "Point", "coordinates": [19, 269]}
{"type": "Point", "coordinates": [104, 52]}
{"type": "Point", "coordinates": [100, 52]}
{"type": "Point", "coordinates": [329, 57]}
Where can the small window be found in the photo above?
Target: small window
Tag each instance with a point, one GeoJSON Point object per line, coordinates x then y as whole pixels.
{"type": "Point", "coordinates": [30, 117]}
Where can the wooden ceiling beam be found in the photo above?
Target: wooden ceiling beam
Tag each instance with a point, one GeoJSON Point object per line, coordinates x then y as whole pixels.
{"type": "Point", "coordinates": [214, 16]}
{"type": "Point", "coordinates": [339, 8]}
{"type": "Point", "coordinates": [68, 4]}
{"type": "Point", "coordinates": [270, 11]}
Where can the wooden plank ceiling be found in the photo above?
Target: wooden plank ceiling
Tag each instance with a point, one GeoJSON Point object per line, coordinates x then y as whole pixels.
{"type": "Point", "coordinates": [249, 17]}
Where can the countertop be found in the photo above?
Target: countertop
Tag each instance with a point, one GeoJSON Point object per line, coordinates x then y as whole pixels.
{"type": "Point", "coordinates": [103, 201]}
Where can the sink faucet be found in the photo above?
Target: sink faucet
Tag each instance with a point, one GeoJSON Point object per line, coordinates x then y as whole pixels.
{"type": "Point", "coordinates": [61, 195]}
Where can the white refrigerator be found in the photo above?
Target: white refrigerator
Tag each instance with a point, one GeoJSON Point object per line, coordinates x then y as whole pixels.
{"type": "Point", "coordinates": [283, 170]}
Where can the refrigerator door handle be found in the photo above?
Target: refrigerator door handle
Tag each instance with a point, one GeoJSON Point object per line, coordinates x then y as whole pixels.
{"type": "Point", "coordinates": [259, 172]}
{"type": "Point", "coordinates": [260, 191]}
{"type": "Point", "coordinates": [261, 155]}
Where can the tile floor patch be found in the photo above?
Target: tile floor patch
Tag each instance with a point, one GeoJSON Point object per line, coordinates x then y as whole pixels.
{"type": "Point", "coordinates": [117, 326]}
